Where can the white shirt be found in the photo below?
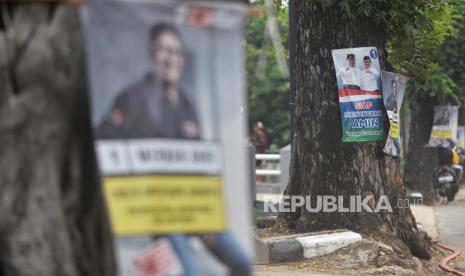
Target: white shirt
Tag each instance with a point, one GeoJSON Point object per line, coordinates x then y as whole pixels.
{"type": "Point", "coordinates": [369, 80]}
{"type": "Point", "coordinates": [349, 77]}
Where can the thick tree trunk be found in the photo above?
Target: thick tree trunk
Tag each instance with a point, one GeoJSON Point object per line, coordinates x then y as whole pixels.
{"type": "Point", "coordinates": [53, 220]}
{"type": "Point", "coordinates": [421, 161]}
{"type": "Point", "coordinates": [321, 164]}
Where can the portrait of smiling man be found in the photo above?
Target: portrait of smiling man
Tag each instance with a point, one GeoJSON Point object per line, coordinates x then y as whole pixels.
{"type": "Point", "coordinates": [155, 106]}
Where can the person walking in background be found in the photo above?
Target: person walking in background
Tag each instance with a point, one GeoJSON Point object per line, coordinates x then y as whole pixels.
{"type": "Point", "coordinates": [260, 142]}
{"type": "Point", "coordinates": [259, 138]}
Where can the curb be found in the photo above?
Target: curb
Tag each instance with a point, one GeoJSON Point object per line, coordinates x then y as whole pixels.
{"type": "Point", "coordinates": [297, 248]}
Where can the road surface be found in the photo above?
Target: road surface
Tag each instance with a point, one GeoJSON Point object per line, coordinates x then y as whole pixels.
{"type": "Point", "coordinates": [450, 224]}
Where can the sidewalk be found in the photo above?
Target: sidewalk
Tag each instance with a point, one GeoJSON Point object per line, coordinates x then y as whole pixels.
{"type": "Point", "coordinates": [300, 268]}
{"type": "Point", "coordinates": [426, 216]}
{"type": "Point", "coordinates": [445, 223]}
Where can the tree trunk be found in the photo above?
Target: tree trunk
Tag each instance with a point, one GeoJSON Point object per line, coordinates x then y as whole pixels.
{"type": "Point", "coordinates": [421, 161]}
{"type": "Point", "coordinates": [53, 219]}
{"type": "Point", "coordinates": [321, 164]}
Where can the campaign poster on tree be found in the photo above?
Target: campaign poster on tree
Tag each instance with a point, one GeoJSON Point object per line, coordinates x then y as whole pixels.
{"type": "Point", "coordinates": [444, 125]}
{"type": "Point", "coordinates": [393, 93]}
{"type": "Point", "coordinates": [166, 89]}
{"type": "Point", "coordinates": [360, 97]}
{"type": "Point", "coordinates": [460, 136]}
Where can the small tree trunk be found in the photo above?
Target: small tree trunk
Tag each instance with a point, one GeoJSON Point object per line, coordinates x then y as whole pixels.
{"type": "Point", "coordinates": [53, 220]}
{"type": "Point", "coordinates": [421, 161]}
{"type": "Point", "coordinates": [321, 164]}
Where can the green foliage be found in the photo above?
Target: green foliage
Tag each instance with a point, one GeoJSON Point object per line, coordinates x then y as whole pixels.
{"type": "Point", "coordinates": [395, 14]}
{"type": "Point", "coordinates": [439, 85]}
{"type": "Point", "coordinates": [426, 41]}
{"type": "Point", "coordinates": [268, 92]}
{"type": "Point", "coordinates": [411, 51]}
{"type": "Point", "coordinates": [451, 54]}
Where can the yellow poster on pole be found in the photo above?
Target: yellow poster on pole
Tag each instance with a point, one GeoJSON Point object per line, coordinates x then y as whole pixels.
{"type": "Point", "coordinates": [441, 133]}
{"type": "Point", "coordinates": [393, 93]}
{"type": "Point", "coordinates": [444, 125]}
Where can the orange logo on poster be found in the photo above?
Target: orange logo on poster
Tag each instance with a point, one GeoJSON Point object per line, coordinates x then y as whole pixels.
{"type": "Point", "coordinates": [363, 105]}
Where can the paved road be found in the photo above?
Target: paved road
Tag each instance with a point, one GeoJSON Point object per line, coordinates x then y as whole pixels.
{"type": "Point", "coordinates": [445, 223]}
{"type": "Point", "coordinates": [450, 223]}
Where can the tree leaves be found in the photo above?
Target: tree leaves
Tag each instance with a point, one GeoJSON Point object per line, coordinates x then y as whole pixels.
{"type": "Point", "coordinates": [426, 42]}
{"type": "Point", "coordinates": [413, 42]}
{"type": "Point", "coordinates": [451, 54]}
{"type": "Point", "coordinates": [268, 92]}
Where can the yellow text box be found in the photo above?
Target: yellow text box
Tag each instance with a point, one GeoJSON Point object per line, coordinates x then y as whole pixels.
{"type": "Point", "coordinates": [165, 204]}
{"type": "Point", "coordinates": [394, 130]}
{"type": "Point", "coordinates": [441, 134]}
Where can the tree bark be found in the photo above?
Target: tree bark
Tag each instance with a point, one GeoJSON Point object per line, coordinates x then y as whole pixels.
{"type": "Point", "coordinates": [321, 164]}
{"type": "Point", "coordinates": [53, 219]}
{"type": "Point", "coordinates": [421, 161]}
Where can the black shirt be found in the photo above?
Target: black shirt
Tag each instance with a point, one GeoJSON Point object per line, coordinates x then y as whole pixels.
{"type": "Point", "coordinates": [144, 111]}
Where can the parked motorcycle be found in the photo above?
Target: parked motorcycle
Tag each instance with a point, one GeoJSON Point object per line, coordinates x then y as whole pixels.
{"type": "Point", "coordinates": [458, 169]}
{"type": "Point", "coordinates": [447, 184]}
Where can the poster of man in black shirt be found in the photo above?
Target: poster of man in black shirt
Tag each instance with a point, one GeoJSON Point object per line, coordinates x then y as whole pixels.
{"type": "Point", "coordinates": [393, 92]}
{"type": "Point", "coordinates": [445, 123]}
{"type": "Point", "coordinates": [155, 105]}
{"type": "Point", "coordinates": [165, 81]}
{"type": "Point", "coordinates": [391, 101]}
{"type": "Point", "coordinates": [443, 120]}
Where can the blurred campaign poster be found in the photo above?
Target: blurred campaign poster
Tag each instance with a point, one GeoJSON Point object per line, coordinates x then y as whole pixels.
{"type": "Point", "coordinates": [166, 86]}
{"type": "Point", "coordinates": [460, 137]}
{"type": "Point", "coordinates": [360, 97]}
{"type": "Point", "coordinates": [444, 125]}
{"type": "Point", "coordinates": [393, 93]}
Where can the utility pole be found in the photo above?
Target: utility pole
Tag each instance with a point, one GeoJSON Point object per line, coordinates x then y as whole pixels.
{"type": "Point", "coordinates": [292, 56]}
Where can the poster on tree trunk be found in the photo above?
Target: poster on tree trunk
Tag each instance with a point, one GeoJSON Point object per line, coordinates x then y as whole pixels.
{"type": "Point", "coordinates": [460, 137]}
{"type": "Point", "coordinates": [393, 93]}
{"type": "Point", "coordinates": [444, 125]}
{"type": "Point", "coordinates": [164, 78]}
{"type": "Point", "coordinates": [360, 96]}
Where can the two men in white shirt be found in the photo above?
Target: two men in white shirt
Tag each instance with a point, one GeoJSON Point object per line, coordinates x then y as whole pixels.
{"type": "Point", "coordinates": [356, 79]}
